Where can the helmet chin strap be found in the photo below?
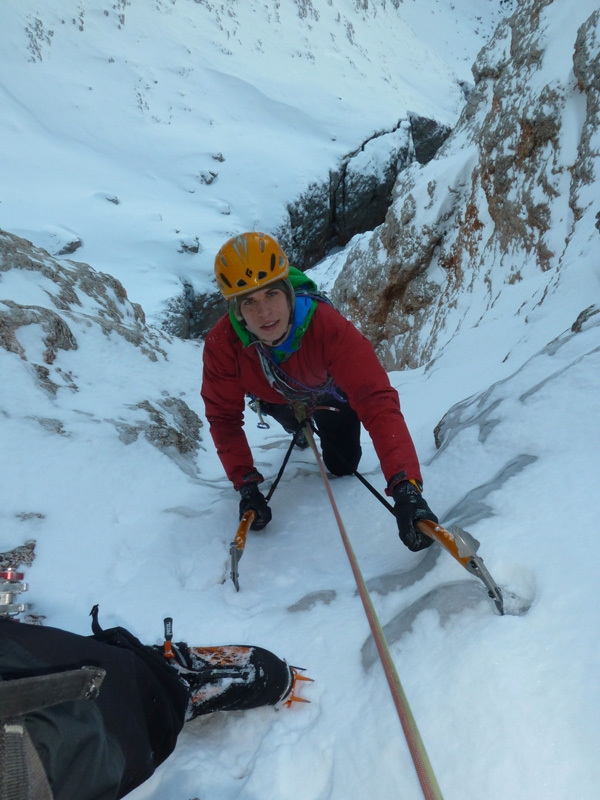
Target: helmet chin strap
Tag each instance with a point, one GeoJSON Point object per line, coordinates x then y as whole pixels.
{"type": "Point", "coordinates": [281, 338]}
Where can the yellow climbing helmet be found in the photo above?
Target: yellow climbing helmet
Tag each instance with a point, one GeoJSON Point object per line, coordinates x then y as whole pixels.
{"type": "Point", "coordinates": [249, 262]}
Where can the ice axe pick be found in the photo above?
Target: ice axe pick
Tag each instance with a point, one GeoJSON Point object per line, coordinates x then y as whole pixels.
{"type": "Point", "coordinates": [463, 547]}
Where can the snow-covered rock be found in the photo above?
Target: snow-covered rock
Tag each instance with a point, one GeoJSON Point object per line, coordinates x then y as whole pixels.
{"type": "Point", "coordinates": [507, 211]}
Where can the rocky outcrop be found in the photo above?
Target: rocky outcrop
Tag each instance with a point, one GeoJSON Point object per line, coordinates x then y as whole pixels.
{"type": "Point", "coordinates": [49, 308]}
{"type": "Point", "coordinates": [352, 199]}
{"type": "Point", "coordinates": [356, 196]}
{"type": "Point", "coordinates": [512, 184]}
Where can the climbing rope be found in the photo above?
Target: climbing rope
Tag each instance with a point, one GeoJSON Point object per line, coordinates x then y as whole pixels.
{"type": "Point", "coordinates": [425, 774]}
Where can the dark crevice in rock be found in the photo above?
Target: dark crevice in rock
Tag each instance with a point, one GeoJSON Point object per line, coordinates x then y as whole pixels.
{"type": "Point", "coordinates": [353, 199]}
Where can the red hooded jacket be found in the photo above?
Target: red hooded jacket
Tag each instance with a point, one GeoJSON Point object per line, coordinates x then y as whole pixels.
{"type": "Point", "coordinates": [331, 347]}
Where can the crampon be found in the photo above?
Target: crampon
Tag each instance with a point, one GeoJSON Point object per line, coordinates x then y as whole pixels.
{"type": "Point", "coordinates": [293, 696]}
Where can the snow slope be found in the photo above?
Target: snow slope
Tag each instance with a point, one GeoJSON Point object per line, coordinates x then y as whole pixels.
{"type": "Point", "coordinates": [507, 706]}
{"type": "Point", "coordinates": [138, 127]}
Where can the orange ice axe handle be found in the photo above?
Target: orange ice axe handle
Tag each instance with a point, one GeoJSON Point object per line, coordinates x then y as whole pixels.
{"type": "Point", "coordinates": [236, 548]}
{"type": "Point", "coordinates": [463, 547]}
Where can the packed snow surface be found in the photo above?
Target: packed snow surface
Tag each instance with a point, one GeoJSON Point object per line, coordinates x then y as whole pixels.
{"type": "Point", "coordinates": [114, 118]}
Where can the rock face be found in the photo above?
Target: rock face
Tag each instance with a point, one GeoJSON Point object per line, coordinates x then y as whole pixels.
{"type": "Point", "coordinates": [50, 308]}
{"type": "Point", "coordinates": [352, 199]}
{"type": "Point", "coordinates": [66, 289]}
{"type": "Point", "coordinates": [355, 197]}
{"type": "Point", "coordinates": [513, 185]}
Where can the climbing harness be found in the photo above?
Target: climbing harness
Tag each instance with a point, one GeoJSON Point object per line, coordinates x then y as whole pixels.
{"type": "Point", "coordinates": [290, 388]}
{"type": "Point", "coordinates": [254, 405]}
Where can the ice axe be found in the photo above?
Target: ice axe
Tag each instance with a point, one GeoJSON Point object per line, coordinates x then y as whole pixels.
{"type": "Point", "coordinates": [459, 543]}
{"type": "Point", "coordinates": [463, 547]}
{"type": "Point", "coordinates": [236, 548]}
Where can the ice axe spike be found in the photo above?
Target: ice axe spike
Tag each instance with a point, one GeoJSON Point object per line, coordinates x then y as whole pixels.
{"type": "Point", "coordinates": [463, 547]}
{"type": "Point", "coordinates": [236, 548]}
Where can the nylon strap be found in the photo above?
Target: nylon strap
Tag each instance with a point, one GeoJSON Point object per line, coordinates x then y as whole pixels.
{"type": "Point", "coordinates": [425, 774]}
{"type": "Point", "coordinates": [22, 776]}
{"type": "Point", "coordinates": [24, 695]}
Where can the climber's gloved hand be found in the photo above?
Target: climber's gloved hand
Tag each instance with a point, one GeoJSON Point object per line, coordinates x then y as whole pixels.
{"type": "Point", "coordinates": [410, 507]}
{"type": "Point", "coordinates": [253, 499]}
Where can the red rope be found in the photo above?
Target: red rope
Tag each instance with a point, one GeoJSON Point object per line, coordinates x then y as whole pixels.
{"type": "Point", "coordinates": [427, 779]}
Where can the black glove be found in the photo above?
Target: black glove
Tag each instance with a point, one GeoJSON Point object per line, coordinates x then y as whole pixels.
{"type": "Point", "coordinates": [410, 506]}
{"type": "Point", "coordinates": [252, 498]}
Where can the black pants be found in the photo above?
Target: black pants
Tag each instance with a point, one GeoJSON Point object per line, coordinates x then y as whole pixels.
{"type": "Point", "coordinates": [101, 748]}
{"type": "Point", "coordinates": [337, 425]}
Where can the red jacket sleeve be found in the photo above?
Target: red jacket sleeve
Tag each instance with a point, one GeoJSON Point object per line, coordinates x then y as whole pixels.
{"type": "Point", "coordinates": [353, 364]}
{"type": "Point", "coordinates": [223, 393]}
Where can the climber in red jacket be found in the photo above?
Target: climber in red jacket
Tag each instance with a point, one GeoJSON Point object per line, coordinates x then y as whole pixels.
{"type": "Point", "coordinates": [283, 344]}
